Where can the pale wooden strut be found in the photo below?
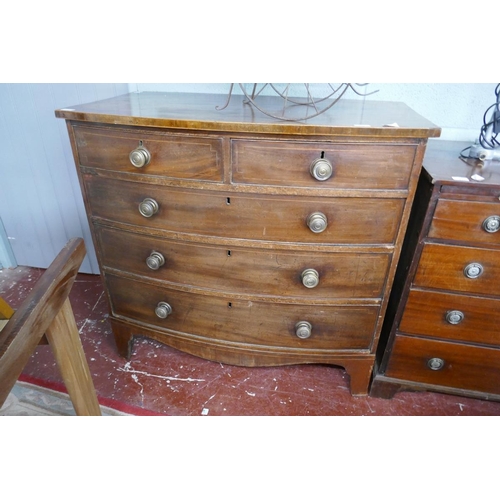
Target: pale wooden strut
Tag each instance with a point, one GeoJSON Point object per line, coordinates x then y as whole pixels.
{"type": "Point", "coordinates": [47, 311]}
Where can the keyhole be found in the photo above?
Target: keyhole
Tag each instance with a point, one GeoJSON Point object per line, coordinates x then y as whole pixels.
{"type": "Point", "coordinates": [228, 201]}
{"type": "Point", "coordinates": [229, 304]}
{"type": "Point", "coordinates": [229, 253]}
{"type": "Point", "coordinates": [322, 154]}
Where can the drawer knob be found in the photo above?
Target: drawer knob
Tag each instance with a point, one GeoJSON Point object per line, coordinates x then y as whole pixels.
{"type": "Point", "coordinates": [317, 222]}
{"type": "Point", "coordinates": [155, 260]}
{"type": "Point", "coordinates": [491, 224]}
{"type": "Point", "coordinates": [148, 207]}
{"type": "Point", "coordinates": [310, 278]}
{"type": "Point", "coordinates": [454, 317]}
{"type": "Point", "coordinates": [303, 329]}
{"type": "Point", "coordinates": [473, 270]}
{"type": "Point", "coordinates": [435, 364]}
{"type": "Point", "coordinates": [163, 309]}
{"type": "Point", "coordinates": [139, 157]}
{"type": "Point", "coordinates": [321, 169]}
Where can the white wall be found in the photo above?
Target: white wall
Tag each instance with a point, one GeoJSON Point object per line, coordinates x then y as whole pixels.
{"type": "Point", "coordinates": [41, 205]}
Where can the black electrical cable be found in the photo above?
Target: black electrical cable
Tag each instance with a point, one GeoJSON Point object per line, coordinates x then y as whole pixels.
{"type": "Point", "coordinates": [494, 124]}
{"type": "Point", "coordinates": [462, 155]}
{"type": "Point", "coordinates": [489, 126]}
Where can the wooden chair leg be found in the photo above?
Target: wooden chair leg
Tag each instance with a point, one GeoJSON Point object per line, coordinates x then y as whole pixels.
{"type": "Point", "coordinates": [65, 342]}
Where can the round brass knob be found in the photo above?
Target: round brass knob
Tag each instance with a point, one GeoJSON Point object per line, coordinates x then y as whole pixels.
{"type": "Point", "coordinates": [163, 309]}
{"type": "Point", "coordinates": [310, 278]}
{"type": "Point", "coordinates": [454, 317]}
{"type": "Point", "coordinates": [139, 157]}
{"type": "Point", "coordinates": [473, 270]}
{"type": "Point", "coordinates": [491, 224]}
{"type": "Point", "coordinates": [303, 329]}
{"type": "Point", "coordinates": [435, 364]}
{"type": "Point", "coordinates": [148, 207]}
{"type": "Point", "coordinates": [155, 260]}
{"type": "Point", "coordinates": [321, 169]}
{"type": "Point", "coordinates": [317, 222]}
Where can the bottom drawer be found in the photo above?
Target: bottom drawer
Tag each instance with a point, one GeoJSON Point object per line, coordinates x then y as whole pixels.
{"type": "Point", "coordinates": [249, 322]}
{"type": "Point", "coordinates": [446, 364]}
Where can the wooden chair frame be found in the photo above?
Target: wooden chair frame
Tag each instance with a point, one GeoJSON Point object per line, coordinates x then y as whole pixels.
{"type": "Point", "coordinates": [47, 312]}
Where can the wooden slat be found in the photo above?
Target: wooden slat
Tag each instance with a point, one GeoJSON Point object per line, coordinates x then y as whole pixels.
{"type": "Point", "coordinates": [67, 347]}
{"type": "Point", "coordinates": [45, 311]}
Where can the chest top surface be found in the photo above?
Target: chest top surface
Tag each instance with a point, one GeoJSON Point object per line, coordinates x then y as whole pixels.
{"type": "Point", "coordinates": [443, 164]}
{"type": "Point", "coordinates": [356, 118]}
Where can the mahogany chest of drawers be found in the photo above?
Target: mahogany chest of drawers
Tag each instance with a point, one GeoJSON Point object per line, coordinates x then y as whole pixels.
{"type": "Point", "coordinates": [442, 326]}
{"type": "Point", "coordinates": [246, 240]}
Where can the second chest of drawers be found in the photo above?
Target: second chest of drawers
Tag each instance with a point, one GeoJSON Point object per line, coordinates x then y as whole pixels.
{"type": "Point", "coordinates": [442, 328]}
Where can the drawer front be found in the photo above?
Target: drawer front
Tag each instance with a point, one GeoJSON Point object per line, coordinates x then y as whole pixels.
{"type": "Point", "coordinates": [445, 267]}
{"type": "Point", "coordinates": [472, 222]}
{"type": "Point", "coordinates": [354, 166]}
{"type": "Point", "coordinates": [452, 316]}
{"type": "Point", "coordinates": [258, 323]}
{"type": "Point", "coordinates": [466, 367]}
{"type": "Point", "coordinates": [269, 218]}
{"type": "Point", "coordinates": [247, 271]}
{"type": "Point", "coordinates": [180, 157]}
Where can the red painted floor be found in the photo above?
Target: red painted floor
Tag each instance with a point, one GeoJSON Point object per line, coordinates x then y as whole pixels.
{"type": "Point", "coordinates": [165, 381]}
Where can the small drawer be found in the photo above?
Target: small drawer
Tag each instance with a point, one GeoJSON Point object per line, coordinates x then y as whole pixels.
{"type": "Point", "coordinates": [452, 316]}
{"type": "Point", "coordinates": [341, 166]}
{"type": "Point", "coordinates": [445, 364]}
{"type": "Point", "coordinates": [270, 218]}
{"type": "Point", "coordinates": [160, 154]}
{"type": "Point", "coordinates": [460, 269]}
{"type": "Point", "coordinates": [306, 275]}
{"type": "Point", "coordinates": [243, 321]}
{"type": "Point", "coordinates": [471, 222]}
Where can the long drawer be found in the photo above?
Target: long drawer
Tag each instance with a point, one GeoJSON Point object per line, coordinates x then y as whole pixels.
{"type": "Point", "coordinates": [251, 322]}
{"type": "Point", "coordinates": [473, 222]}
{"type": "Point", "coordinates": [460, 269]}
{"type": "Point", "coordinates": [250, 271]}
{"type": "Point", "coordinates": [445, 364]}
{"type": "Point", "coordinates": [354, 166]}
{"type": "Point", "coordinates": [360, 221]}
{"type": "Point", "coordinates": [177, 156]}
{"type": "Point", "coordinates": [452, 316]}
